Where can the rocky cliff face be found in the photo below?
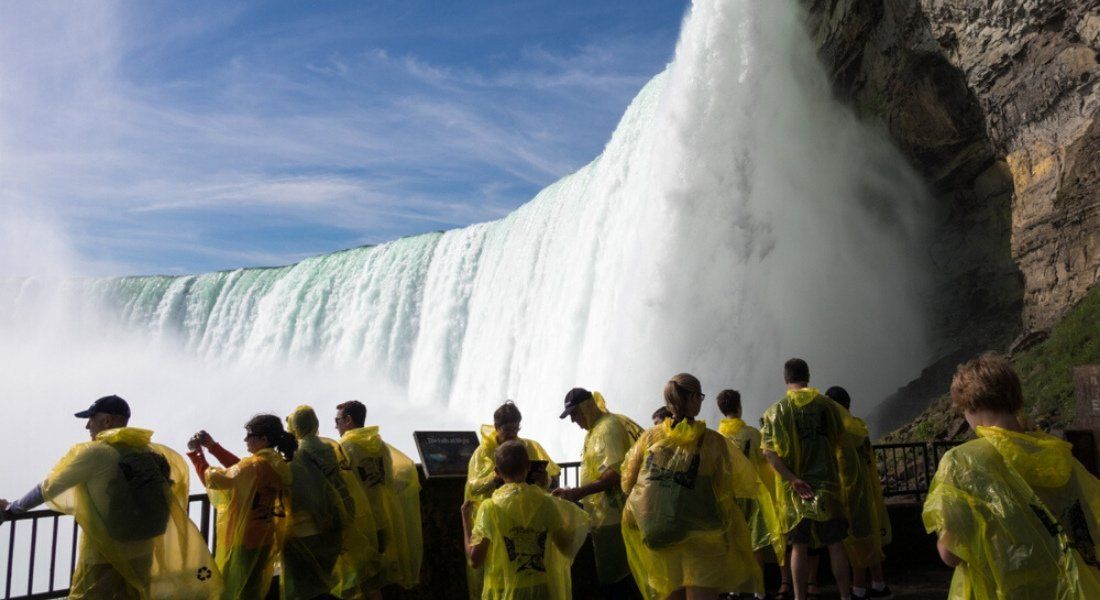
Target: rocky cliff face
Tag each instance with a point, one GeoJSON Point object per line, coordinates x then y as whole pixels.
{"type": "Point", "coordinates": [996, 102]}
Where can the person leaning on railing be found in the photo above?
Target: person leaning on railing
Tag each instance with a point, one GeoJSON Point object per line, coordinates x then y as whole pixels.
{"type": "Point", "coordinates": [607, 440]}
{"type": "Point", "coordinates": [129, 497]}
{"type": "Point", "coordinates": [251, 496]}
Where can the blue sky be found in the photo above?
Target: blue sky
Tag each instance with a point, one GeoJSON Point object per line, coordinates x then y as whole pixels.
{"type": "Point", "coordinates": [187, 137]}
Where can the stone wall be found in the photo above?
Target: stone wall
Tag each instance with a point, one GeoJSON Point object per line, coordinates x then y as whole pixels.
{"type": "Point", "coordinates": [995, 101]}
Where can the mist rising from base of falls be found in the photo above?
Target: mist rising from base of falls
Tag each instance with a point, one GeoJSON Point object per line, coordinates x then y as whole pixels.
{"type": "Point", "coordinates": [738, 216]}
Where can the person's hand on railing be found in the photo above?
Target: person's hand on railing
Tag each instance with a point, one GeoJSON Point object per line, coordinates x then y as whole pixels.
{"type": "Point", "coordinates": [4, 504]}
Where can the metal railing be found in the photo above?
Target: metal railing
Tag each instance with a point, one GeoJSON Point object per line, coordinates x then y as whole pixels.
{"type": "Point", "coordinates": [904, 469]}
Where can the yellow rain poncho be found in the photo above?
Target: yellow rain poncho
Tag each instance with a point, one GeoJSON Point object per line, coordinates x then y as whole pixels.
{"type": "Point", "coordinates": [159, 553]}
{"type": "Point", "coordinates": [869, 525]}
{"type": "Point", "coordinates": [1022, 514]}
{"type": "Point", "coordinates": [605, 447]}
{"type": "Point", "coordinates": [391, 482]}
{"type": "Point", "coordinates": [331, 544]}
{"type": "Point", "coordinates": [759, 510]}
{"type": "Point", "coordinates": [533, 538]}
{"type": "Point", "coordinates": [805, 429]}
{"type": "Point", "coordinates": [481, 482]}
{"type": "Point", "coordinates": [681, 524]}
{"type": "Point", "coordinates": [250, 497]}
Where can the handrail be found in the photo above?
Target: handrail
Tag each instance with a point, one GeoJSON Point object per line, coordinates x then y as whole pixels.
{"type": "Point", "coordinates": [898, 467]}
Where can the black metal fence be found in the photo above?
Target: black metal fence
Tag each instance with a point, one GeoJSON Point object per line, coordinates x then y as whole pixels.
{"type": "Point", "coordinates": [32, 573]}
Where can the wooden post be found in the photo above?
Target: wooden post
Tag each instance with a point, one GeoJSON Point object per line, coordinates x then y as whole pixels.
{"type": "Point", "coordinates": [1086, 424]}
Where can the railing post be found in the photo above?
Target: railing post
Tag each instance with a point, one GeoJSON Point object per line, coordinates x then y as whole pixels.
{"type": "Point", "coordinates": [11, 558]}
{"type": "Point", "coordinates": [204, 518]}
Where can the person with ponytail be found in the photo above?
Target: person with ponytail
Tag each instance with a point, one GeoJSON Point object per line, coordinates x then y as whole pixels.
{"type": "Point", "coordinates": [250, 495]}
{"type": "Point", "coordinates": [607, 440]}
{"type": "Point", "coordinates": [331, 547]}
{"type": "Point", "coordinates": [481, 476]}
{"type": "Point", "coordinates": [684, 532]}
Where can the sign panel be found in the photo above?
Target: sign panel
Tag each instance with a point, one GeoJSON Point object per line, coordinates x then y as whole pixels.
{"type": "Point", "coordinates": [445, 453]}
{"type": "Point", "coordinates": [1087, 384]}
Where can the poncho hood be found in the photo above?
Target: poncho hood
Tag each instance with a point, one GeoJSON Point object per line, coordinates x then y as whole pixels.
{"type": "Point", "coordinates": [302, 422]}
{"type": "Point", "coordinates": [1040, 458]}
{"type": "Point", "coordinates": [730, 426]}
{"type": "Point", "coordinates": [366, 436]}
{"type": "Point", "coordinates": [803, 396]}
{"type": "Point", "coordinates": [127, 436]}
{"type": "Point", "coordinates": [684, 432]}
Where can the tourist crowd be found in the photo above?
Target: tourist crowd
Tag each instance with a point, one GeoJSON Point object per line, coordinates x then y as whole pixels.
{"type": "Point", "coordinates": [678, 510]}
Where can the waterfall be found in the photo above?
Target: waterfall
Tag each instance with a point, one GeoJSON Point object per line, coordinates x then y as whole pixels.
{"type": "Point", "coordinates": [737, 216]}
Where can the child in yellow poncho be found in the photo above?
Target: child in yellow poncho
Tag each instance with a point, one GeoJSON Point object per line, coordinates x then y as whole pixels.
{"type": "Point", "coordinates": [683, 530]}
{"type": "Point", "coordinates": [481, 478]}
{"type": "Point", "coordinates": [759, 511]}
{"type": "Point", "coordinates": [523, 539]}
{"type": "Point", "coordinates": [869, 523]}
{"type": "Point", "coordinates": [1016, 515]}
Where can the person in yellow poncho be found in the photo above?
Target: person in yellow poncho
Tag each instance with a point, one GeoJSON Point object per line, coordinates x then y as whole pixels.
{"type": "Point", "coordinates": [759, 511]}
{"type": "Point", "coordinates": [391, 482]}
{"type": "Point", "coordinates": [869, 523]}
{"type": "Point", "coordinates": [521, 537]}
{"type": "Point", "coordinates": [481, 478]}
{"type": "Point", "coordinates": [606, 443]}
{"type": "Point", "coordinates": [1015, 514]}
{"type": "Point", "coordinates": [331, 545]}
{"type": "Point", "coordinates": [800, 436]}
{"type": "Point", "coordinates": [251, 497]}
{"type": "Point", "coordinates": [685, 535]}
{"type": "Point", "coordinates": [129, 496]}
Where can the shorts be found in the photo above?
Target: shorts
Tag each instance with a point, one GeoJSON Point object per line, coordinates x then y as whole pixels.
{"type": "Point", "coordinates": [808, 531]}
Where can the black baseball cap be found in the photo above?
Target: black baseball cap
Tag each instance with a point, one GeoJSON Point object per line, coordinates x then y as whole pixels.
{"type": "Point", "coordinates": [575, 398]}
{"type": "Point", "coordinates": [112, 405]}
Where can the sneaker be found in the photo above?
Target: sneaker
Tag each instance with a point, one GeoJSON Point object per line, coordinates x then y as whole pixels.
{"type": "Point", "coordinates": [856, 596]}
{"type": "Point", "coordinates": [883, 593]}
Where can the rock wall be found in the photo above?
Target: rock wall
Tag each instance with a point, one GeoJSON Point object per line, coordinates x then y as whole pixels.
{"type": "Point", "coordinates": [996, 102]}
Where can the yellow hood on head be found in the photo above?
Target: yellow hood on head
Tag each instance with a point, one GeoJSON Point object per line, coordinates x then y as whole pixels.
{"type": "Point", "coordinates": [302, 422]}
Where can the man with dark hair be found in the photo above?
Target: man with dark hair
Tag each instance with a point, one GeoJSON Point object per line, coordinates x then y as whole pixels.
{"type": "Point", "coordinates": [608, 439]}
{"type": "Point", "coordinates": [660, 415]}
{"type": "Point", "coordinates": [391, 482]}
{"type": "Point", "coordinates": [801, 435]}
{"type": "Point", "coordinates": [523, 538]}
{"type": "Point", "coordinates": [129, 496]}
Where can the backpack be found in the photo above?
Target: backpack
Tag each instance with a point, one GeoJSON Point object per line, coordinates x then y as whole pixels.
{"type": "Point", "coordinates": [137, 507]}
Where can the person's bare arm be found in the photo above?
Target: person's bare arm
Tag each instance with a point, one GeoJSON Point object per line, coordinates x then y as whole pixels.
{"type": "Point", "coordinates": [943, 545]}
{"type": "Point", "coordinates": [803, 489]}
{"type": "Point", "coordinates": [608, 480]}
{"type": "Point", "coordinates": [475, 552]}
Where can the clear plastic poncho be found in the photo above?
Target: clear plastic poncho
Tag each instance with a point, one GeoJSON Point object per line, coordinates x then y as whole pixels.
{"type": "Point", "coordinates": [533, 538]}
{"type": "Point", "coordinates": [86, 482]}
{"type": "Point", "coordinates": [391, 482]}
{"type": "Point", "coordinates": [605, 447]}
{"type": "Point", "coordinates": [682, 525]}
{"type": "Point", "coordinates": [331, 544]}
{"type": "Point", "coordinates": [1022, 514]}
{"type": "Point", "coordinates": [481, 482]}
{"type": "Point", "coordinates": [250, 498]}
{"type": "Point", "coordinates": [861, 486]}
{"type": "Point", "coordinates": [805, 429]}
{"type": "Point", "coordinates": [759, 510]}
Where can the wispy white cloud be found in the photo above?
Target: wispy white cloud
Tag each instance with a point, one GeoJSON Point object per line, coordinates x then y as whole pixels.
{"type": "Point", "coordinates": [146, 143]}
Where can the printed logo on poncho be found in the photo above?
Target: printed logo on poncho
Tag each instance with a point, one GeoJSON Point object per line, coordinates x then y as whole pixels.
{"type": "Point", "coordinates": [1079, 536]}
{"type": "Point", "coordinates": [665, 476]}
{"type": "Point", "coordinates": [371, 471]}
{"type": "Point", "coordinates": [527, 548]}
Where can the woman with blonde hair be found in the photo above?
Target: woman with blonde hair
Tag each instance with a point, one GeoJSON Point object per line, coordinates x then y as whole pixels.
{"type": "Point", "coordinates": [685, 535]}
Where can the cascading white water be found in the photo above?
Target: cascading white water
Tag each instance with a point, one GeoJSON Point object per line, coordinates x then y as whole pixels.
{"type": "Point", "coordinates": [738, 216]}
